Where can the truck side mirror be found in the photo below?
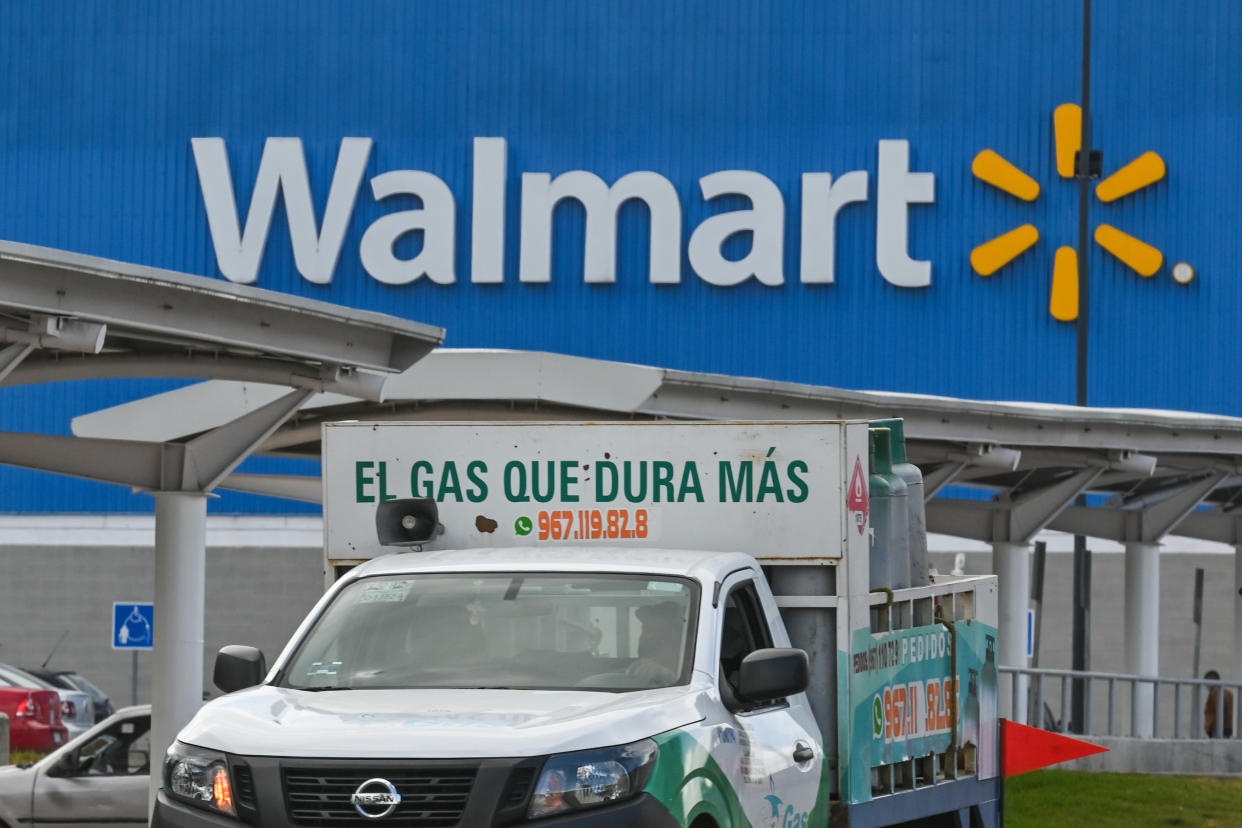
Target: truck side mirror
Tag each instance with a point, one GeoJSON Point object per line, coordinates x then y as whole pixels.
{"type": "Point", "coordinates": [773, 673]}
{"type": "Point", "coordinates": [406, 522]}
{"type": "Point", "coordinates": [238, 667]}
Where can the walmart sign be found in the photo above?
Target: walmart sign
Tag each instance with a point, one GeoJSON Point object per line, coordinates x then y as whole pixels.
{"type": "Point", "coordinates": [317, 244]}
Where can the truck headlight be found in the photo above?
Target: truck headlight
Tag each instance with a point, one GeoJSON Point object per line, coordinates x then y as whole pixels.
{"type": "Point", "coordinates": [592, 777]}
{"type": "Point", "coordinates": [199, 777]}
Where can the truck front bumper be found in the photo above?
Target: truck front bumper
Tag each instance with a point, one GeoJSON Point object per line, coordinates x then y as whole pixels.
{"type": "Point", "coordinates": [644, 811]}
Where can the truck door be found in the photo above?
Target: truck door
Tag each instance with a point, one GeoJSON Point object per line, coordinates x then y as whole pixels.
{"type": "Point", "coordinates": [778, 755]}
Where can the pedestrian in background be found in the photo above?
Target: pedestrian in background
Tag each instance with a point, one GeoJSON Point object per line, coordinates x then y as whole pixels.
{"type": "Point", "coordinates": [1211, 706]}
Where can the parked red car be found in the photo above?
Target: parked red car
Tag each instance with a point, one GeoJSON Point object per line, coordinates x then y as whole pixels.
{"type": "Point", "coordinates": [34, 719]}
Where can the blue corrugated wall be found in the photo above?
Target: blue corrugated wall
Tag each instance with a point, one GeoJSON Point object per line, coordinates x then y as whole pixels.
{"type": "Point", "coordinates": [99, 101]}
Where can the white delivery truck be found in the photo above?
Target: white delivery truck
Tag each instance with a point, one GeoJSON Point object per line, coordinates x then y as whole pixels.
{"type": "Point", "coordinates": [642, 624]}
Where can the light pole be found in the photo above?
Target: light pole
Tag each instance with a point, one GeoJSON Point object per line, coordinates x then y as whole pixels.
{"type": "Point", "coordinates": [1088, 166]}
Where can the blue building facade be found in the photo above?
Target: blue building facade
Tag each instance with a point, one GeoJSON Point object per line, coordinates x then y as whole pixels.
{"type": "Point", "coordinates": [781, 190]}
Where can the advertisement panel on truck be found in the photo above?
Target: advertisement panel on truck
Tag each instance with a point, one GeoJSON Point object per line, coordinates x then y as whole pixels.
{"type": "Point", "coordinates": [767, 489]}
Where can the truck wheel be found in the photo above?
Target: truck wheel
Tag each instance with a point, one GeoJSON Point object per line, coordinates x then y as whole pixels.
{"type": "Point", "coordinates": [704, 822]}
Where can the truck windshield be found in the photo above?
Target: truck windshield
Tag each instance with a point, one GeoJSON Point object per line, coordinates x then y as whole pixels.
{"type": "Point", "coordinates": [525, 631]}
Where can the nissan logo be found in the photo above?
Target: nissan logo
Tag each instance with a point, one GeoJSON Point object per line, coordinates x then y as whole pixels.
{"type": "Point", "coordinates": [375, 798]}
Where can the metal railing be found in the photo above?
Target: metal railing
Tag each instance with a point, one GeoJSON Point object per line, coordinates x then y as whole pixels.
{"type": "Point", "coordinates": [1156, 707]}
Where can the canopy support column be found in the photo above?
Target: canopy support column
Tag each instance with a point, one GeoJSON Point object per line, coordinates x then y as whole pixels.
{"type": "Point", "coordinates": [180, 578]}
{"type": "Point", "coordinates": [1012, 562]}
{"type": "Point", "coordinates": [1142, 634]}
{"type": "Point", "coordinates": [1237, 611]}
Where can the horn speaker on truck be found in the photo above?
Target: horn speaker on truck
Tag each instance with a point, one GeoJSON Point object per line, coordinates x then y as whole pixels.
{"type": "Point", "coordinates": [407, 522]}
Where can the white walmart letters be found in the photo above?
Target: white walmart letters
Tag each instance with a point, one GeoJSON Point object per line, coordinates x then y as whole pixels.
{"type": "Point", "coordinates": [821, 200]}
{"type": "Point", "coordinates": [435, 260]}
{"type": "Point", "coordinates": [540, 193]}
{"type": "Point", "coordinates": [317, 248]}
{"type": "Point", "coordinates": [896, 189]}
{"type": "Point", "coordinates": [766, 222]}
{"type": "Point", "coordinates": [283, 169]}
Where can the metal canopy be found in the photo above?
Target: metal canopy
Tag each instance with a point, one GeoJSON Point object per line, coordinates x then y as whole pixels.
{"type": "Point", "coordinates": [124, 320]}
{"type": "Point", "coordinates": [65, 316]}
{"type": "Point", "coordinates": [1026, 461]}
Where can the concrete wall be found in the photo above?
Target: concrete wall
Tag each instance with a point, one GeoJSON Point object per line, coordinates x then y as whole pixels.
{"type": "Point", "coordinates": [1201, 757]}
{"type": "Point", "coordinates": [254, 596]}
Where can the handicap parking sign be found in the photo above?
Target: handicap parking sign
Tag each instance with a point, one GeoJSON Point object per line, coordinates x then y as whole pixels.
{"type": "Point", "coordinates": [133, 625]}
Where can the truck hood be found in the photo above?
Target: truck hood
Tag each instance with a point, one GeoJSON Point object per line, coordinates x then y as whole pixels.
{"type": "Point", "coordinates": [438, 724]}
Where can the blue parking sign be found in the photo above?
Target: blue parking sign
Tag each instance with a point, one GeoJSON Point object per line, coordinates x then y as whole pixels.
{"type": "Point", "coordinates": [133, 625]}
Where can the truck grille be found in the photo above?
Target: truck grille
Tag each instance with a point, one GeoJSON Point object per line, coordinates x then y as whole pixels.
{"type": "Point", "coordinates": [430, 797]}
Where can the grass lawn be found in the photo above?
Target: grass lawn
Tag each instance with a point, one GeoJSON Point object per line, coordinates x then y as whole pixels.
{"type": "Point", "coordinates": [1099, 800]}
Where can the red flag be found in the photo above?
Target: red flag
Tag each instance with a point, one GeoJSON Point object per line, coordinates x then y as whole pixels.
{"type": "Point", "coordinates": [1029, 748]}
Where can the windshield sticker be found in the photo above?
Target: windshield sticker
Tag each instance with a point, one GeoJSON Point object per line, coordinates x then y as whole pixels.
{"type": "Point", "coordinates": [384, 592]}
{"type": "Point", "coordinates": [324, 668]}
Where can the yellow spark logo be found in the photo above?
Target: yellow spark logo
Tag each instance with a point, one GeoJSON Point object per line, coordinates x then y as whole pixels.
{"type": "Point", "coordinates": [989, 257]}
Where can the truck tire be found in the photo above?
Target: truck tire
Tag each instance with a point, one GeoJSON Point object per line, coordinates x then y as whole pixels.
{"type": "Point", "coordinates": [704, 822]}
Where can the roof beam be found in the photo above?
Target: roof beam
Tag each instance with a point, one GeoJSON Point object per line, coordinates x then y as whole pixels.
{"type": "Point", "coordinates": [211, 456]}
{"type": "Point", "coordinates": [939, 477]}
{"type": "Point", "coordinates": [290, 487]}
{"type": "Point", "coordinates": [1032, 512]}
{"type": "Point", "coordinates": [1145, 525]}
{"type": "Point", "coordinates": [330, 378]}
{"type": "Point", "coordinates": [1212, 526]}
{"type": "Point", "coordinates": [197, 466]}
{"type": "Point", "coordinates": [1160, 518]}
{"type": "Point", "coordinates": [126, 462]}
{"type": "Point", "coordinates": [1004, 521]}
{"type": "Point", "coordinates": [1093, 522]}
{"type": "Point", "coordinates": [12, 356]}
{"type": "Point", "coordinates": [972, 519]}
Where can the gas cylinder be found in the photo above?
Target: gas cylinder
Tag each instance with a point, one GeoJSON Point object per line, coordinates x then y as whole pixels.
{"type": "Point", "coordinates": [890, 551]}
{"type": "Point", "coordinates": [915, 511]}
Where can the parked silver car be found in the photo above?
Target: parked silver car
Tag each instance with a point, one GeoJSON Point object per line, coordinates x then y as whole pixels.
{"type": "Point", "coordinates": [103, 776]}
{"type": "Point", "coordinates": [77, 709]}
{"type": "Point", "coordinates": [69, 680]}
